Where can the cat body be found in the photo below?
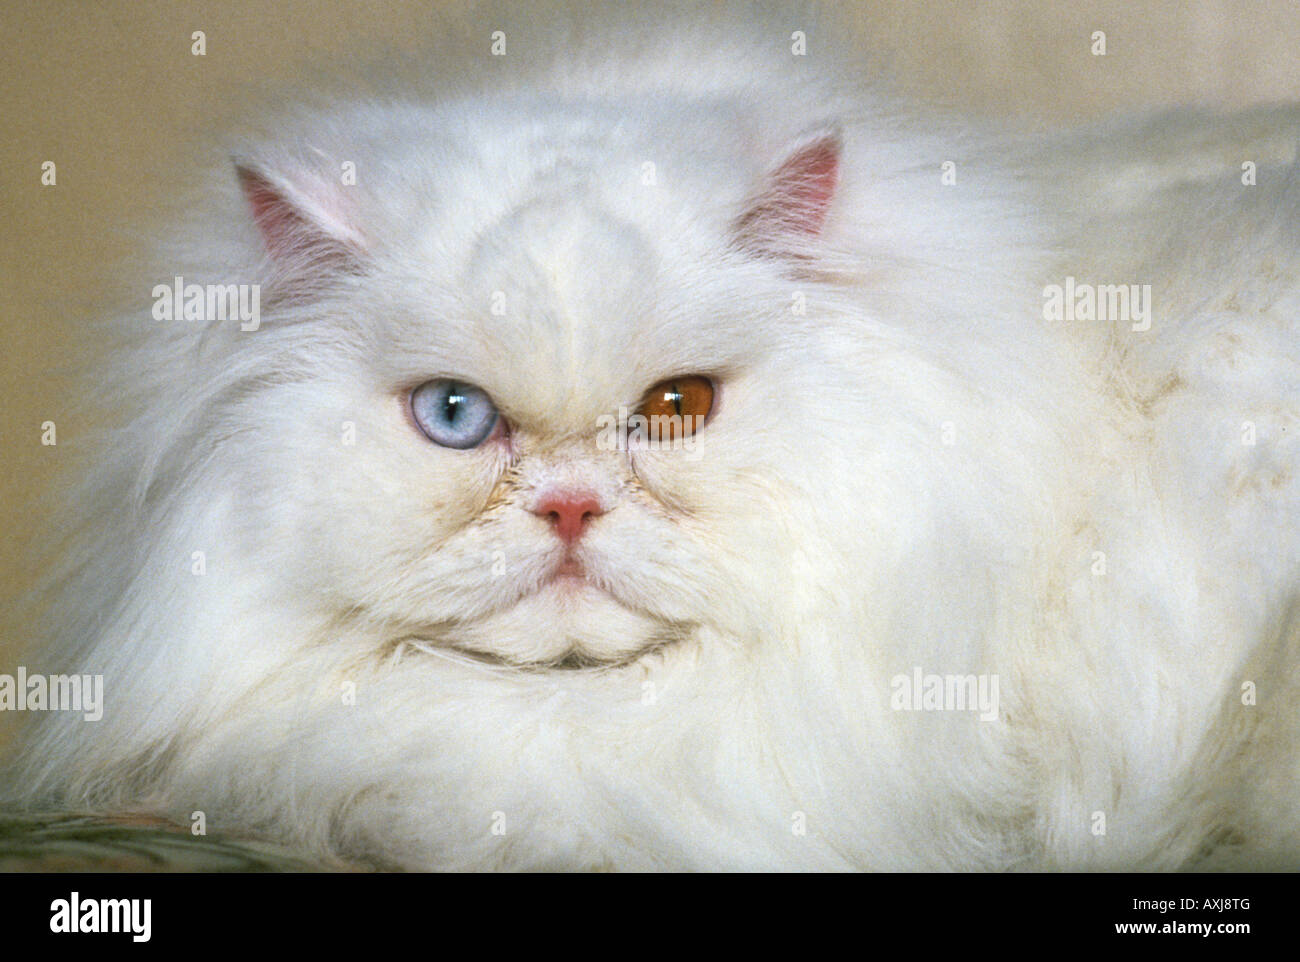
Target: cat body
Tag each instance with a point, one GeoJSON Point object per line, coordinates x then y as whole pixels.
{"type": "Point", "coordinates": [314, 623]}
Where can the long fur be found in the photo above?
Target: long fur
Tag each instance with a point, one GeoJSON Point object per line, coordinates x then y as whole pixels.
{"type": "Point", "coordinates": [916, 470]}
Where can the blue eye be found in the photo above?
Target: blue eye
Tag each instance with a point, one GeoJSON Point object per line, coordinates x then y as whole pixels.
{"type": "Point", "coordinates": [453, 414]}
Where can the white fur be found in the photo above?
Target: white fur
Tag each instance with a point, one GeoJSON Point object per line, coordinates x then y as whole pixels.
{"type": "Point", "coordinates": [825, 540]}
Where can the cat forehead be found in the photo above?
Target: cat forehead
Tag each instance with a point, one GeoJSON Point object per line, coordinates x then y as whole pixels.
{"type": "Point", "coordinates": [568, 289]}
{"type": "Point", "coordinates": [561, 291]}
{"type": "Point", "coordinates": [566, 250]}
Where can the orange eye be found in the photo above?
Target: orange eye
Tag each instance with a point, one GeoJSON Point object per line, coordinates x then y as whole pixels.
{"type": "Point", "coordinates": [677, 407]}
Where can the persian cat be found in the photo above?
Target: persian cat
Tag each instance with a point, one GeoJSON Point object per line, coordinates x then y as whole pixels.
{"type": "Point", "coordinates": [666, 448]}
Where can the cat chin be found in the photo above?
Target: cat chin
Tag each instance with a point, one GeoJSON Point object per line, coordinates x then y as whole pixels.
{"type": "Point", "coordinates": [568, 624]}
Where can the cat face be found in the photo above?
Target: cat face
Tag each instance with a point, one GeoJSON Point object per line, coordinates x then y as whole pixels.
{"type": "Point", "coordinates": [464, 456]}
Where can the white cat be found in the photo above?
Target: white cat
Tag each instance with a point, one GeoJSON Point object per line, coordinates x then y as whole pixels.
{"type": "Point", "coordinates": [938, 583]}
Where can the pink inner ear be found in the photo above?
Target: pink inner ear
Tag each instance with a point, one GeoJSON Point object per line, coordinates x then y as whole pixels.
{"type": "Point", "coordinates": [282, 227]}
{"type": "Point", "coordinates": [796, 197]}
{"type": "Point", "coordinates": [295, 237]}
{"type": "Point", "coordinates": [805, 183]}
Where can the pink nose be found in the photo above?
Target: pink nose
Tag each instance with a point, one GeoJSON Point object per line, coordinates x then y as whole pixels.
{"type": "Point", "coordinates": [568, 511]}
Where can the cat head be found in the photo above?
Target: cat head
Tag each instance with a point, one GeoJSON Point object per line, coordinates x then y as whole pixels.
{"type": "Point", "coordinates": [543, 389]}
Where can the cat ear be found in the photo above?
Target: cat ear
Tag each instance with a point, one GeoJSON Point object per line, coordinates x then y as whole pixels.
{"type": "Point", "coordinates": [306, 222]}
{"type": "Point", "coordinates": [795, 197]}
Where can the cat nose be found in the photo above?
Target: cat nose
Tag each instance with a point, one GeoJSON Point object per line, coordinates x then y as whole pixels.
{"type": "Point", "coordinates": [568, 512]}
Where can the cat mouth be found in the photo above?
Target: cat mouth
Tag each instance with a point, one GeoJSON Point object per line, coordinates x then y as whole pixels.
{"type": "Point", "coordinates": [574, 659]}
{"type": "Point", "coordinates": [567, 617]}
{"type": "Point", "coordinates": [571, 589]}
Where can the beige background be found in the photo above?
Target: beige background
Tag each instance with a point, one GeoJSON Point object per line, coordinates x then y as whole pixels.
{"type": "Point", "coordinates": [108, 91]}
